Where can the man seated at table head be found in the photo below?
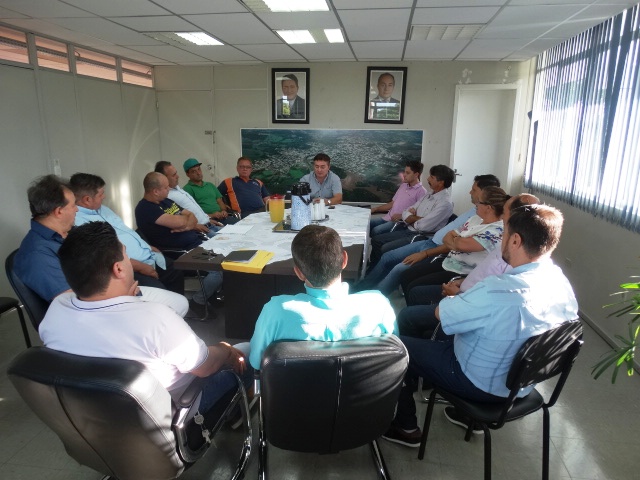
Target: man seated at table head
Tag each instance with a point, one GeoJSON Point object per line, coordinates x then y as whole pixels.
{"type": "Point", "coordinates": [103, 317]}
{"type": "Point", "coordinates": [182, 198]}
{"type": "Point", "coordinates": [167, 226]}
{"type": "Point", "coordinates": [489, 322]}
{"type": "Point", "coordinates": [205, 193]}
{"type": "Point", "coordinates": [150, 267]}
{"type": "Point", "coordinates": [325, 185]}
{"type": "Point", "coordinates": [246, 195]}
{"type": "Point", "coordinates": [326, 312]}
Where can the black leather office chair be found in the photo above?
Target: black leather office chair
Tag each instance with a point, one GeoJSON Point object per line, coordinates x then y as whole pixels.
{"type": "Point", "coordinates": [113, 416]}
{"type": "Point", "coordinates": [35, 305]}
{"type": "Point", "coordinates": [540, 358]}
{"type": "Point", "coordinates": [325, 397]}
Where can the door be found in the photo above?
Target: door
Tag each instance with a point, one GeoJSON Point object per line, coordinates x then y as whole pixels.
{"type": "Point", "coordinates": [483, 137]}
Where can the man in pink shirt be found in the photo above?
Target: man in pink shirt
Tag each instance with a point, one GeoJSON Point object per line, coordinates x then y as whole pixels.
{"type": "Point", "coordinates": [409, 192]}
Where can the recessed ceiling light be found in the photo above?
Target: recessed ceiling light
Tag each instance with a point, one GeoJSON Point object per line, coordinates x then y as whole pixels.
{"type": "Point", "coordinates": [296, 36]}
{"type": "Point", "coordinates": [334, 35]}
{"type": "Point", "coordinates": [199, 38]}
{"type": "Point", "coordinates": [444, 32]}
{"type": "Point", "coordinates": [187, 39]}
{"type": "Point", "coordinates": [287, 5]}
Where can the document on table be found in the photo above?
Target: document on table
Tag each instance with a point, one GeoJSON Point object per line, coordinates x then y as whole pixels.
{"type": "Point", "coordinates": [236, 229]}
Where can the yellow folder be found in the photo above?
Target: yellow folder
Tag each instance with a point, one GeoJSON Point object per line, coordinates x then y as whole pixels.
{"type": "Point", "coordinates": [256, 264]}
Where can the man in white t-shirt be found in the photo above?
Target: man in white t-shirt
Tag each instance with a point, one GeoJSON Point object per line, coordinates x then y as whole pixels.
{"type": "Point", "coordinates": [104, 317]}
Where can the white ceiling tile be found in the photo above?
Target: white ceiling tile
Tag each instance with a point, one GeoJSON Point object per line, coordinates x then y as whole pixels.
{"type": "Point", "coordinates": [44, 9]}
{"type": "Point", "coordinates": [388, 24]}
{"type": "Point", "coordinates": [527, 22]}
{"type": "Point", "coordinates": [6, 13]}
{"type": "Point", "coordinates": [325, 51]}
{"type": "Point", "coordinates": [57, 31]}
{"type": "Point", "coordinates": [534, 47]}
{"type": "Point", "coordinates": [218, 53]}
{"type": "Point", "coordinates": [105, 30]}
{"type": "Point", "coordinates": [169, 23]}
{"type": "Point", "coordinates": [169, 53]}
{"type": "Point", "coordinates": [378, 50]}
{"type": "Point", "coordinates": [235, 28]}
{"type": "Point", "coordinates": [433, 49]}
{"type": "Point", "coordinates": [123, 8]}
{"type": "Point", "coordinates": [202, 6]}
{"type": "Point", "coordinates": [460, 3]}
{"type": "Point", "coordinates": [272, 53]}
{"type": "Point", "coordinates": [365, 4]}
{"type": "Point", "coordinates": [300, 20]}
{"type": "Point", "coordinates": [484, 49]}
{"type": "Point", "coordinates": [453, 16]}
{"type": "Point", "coordinates": [133, 54]}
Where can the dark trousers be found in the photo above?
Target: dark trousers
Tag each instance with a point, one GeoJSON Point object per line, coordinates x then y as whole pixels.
{"type": "Point", "coordinates": [169, 279]}
{"type": "Point", "coordinates": [426, 272]}
{"type": "Point", "coordinates": [436, 363]}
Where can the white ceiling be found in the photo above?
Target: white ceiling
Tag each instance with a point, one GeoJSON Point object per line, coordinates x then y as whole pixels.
{"type": "Point", "coordinates": [375, 30]}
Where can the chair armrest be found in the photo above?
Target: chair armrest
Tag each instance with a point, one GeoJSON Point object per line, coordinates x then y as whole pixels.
{"type": "Point", "coordinates": [397, 224]}
{"type": "Point", "coordinates": [191, 393]}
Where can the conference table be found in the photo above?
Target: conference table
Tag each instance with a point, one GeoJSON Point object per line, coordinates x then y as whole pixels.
{"type": "Point", "coordinates": [246, 293]}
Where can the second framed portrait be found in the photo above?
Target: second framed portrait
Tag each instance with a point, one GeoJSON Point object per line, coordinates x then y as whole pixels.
{"type": "Point", "coordinates": [290, 95]}
{"type": "Point", "coordinates": [385, 97]}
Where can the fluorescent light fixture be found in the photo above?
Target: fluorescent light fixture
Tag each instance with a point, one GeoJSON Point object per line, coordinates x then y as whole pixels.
{"type": "Point", "coordinates": [444, 32]}
{"type": "Point", "coordinates": [296, 36]}
{"type": "Point", "coordinates": [334, 35]}
{"type": "Point", "coordinates": [295, 5]}
{"type": "Point", "coordinates": [199, 38]}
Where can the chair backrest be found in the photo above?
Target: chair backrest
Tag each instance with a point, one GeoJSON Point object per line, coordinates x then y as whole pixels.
{"type": "Point", "coordinates": [33, 303]}
{"type": "Point", "coordinates": [546, 355]}
{"type": "Point", "coordinates": [112, 415]}
{"type": "Point", "coordinates": [325, 397]}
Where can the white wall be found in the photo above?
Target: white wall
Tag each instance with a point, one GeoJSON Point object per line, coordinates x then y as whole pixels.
{"type": "Point", "coordinates": [241, 99]}
{"type": "Point", "coordinates": [88, 125]}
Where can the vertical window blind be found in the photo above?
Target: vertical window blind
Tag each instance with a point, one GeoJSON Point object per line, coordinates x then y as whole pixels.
{"type": "Point", "coordinates": [585, 147]}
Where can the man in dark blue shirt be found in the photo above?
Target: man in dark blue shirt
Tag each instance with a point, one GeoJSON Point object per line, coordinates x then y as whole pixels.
{"type": "Point", "coordinates": [53, 211]}
{"type": "Point", "coordinates": [246, 195]}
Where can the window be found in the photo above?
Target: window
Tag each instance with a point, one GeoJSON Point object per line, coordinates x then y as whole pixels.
{"type": "Point", "coordinates": [52, 54]}
{"type": "Point", "coordinates": [586, 116]}
{"type": "Point", "coordinates": [13, 45]}
{"type": "Point", "coordinates": [95, 64]}
{"type": "Point", "coordinates": [137, 73]}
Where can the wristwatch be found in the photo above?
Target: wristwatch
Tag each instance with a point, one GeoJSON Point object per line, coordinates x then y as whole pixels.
{"type": "Point", "coordinates": [328, 202]}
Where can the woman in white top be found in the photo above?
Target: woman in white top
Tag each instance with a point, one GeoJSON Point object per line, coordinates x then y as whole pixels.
{"type": "Point", "coordinates": [468, 245]}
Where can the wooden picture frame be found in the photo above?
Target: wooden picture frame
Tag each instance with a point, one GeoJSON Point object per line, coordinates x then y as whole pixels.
{"type": "Point", "coordinates": [385, 95]}
{"type": "Point", "coordinates": [290, 95]}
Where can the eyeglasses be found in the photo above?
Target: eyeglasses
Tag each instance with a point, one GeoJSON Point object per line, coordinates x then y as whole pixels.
{"type": "Point", "coordinates": [484, 203]}
{"type": "Point", "coordinates": [245, 166]}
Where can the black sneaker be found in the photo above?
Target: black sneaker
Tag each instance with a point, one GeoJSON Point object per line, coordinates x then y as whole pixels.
{"type": "Point", "coordinates": [199, 311]}
{"type": "Point", "coordinates": [458, 419]}
{"type": "Point", "coordinates": [397, 435]}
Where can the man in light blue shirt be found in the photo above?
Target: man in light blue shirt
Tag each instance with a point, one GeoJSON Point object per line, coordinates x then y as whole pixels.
{"type": "Point", "coordinates": [151, 268]}
{"type": "Point", "coordinates": [325, 185]}
{"type": "Point", "coordinates": [491, 321]}
{"type": "Point", "coordinates": [326, 312]}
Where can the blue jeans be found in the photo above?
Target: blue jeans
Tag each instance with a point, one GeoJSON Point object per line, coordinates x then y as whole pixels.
{"type": "Point", "coordinates": [385, 276]}
{"type": "Point", "coordinates": [213, 230]}
{"type": "Point", "coordinates": [436, 362]}
{"type": "Point", "coordinates": [216, 385]}
{"type": "Point", "coordinates": [212, 283]}
{"type": "Point", "coordinates": [378, 226]}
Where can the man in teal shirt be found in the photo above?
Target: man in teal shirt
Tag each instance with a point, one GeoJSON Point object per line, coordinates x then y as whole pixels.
{"type": "Point", "coordinates": [206, 194]}
{"type": "Point", "coordinates": [326, 312]}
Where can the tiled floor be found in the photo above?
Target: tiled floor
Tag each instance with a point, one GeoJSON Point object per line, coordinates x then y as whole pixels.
{"type": "Point", "coordinates": [594, 428]}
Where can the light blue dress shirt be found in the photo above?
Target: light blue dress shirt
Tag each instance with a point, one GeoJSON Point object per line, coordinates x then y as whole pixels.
{"type": "Point", "coordinates": [496, 316]}
{"type": "Point", "coordinates": [329, 315]}
{"type": "Point", "coordinates": [137, 248]}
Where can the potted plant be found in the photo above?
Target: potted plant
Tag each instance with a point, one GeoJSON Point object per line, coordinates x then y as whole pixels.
{"type": "Point", "coordinates": [625, 352]}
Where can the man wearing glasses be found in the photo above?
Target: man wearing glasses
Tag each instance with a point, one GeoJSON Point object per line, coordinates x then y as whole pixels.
{"type": "Point", "coordinates": [246, 195]}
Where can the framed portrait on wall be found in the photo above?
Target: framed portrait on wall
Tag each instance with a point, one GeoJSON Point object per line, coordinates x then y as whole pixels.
{"type": "Point", "coordinates": [290, 95]}
{"type": "Point", "coordinates": [385, 97]}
